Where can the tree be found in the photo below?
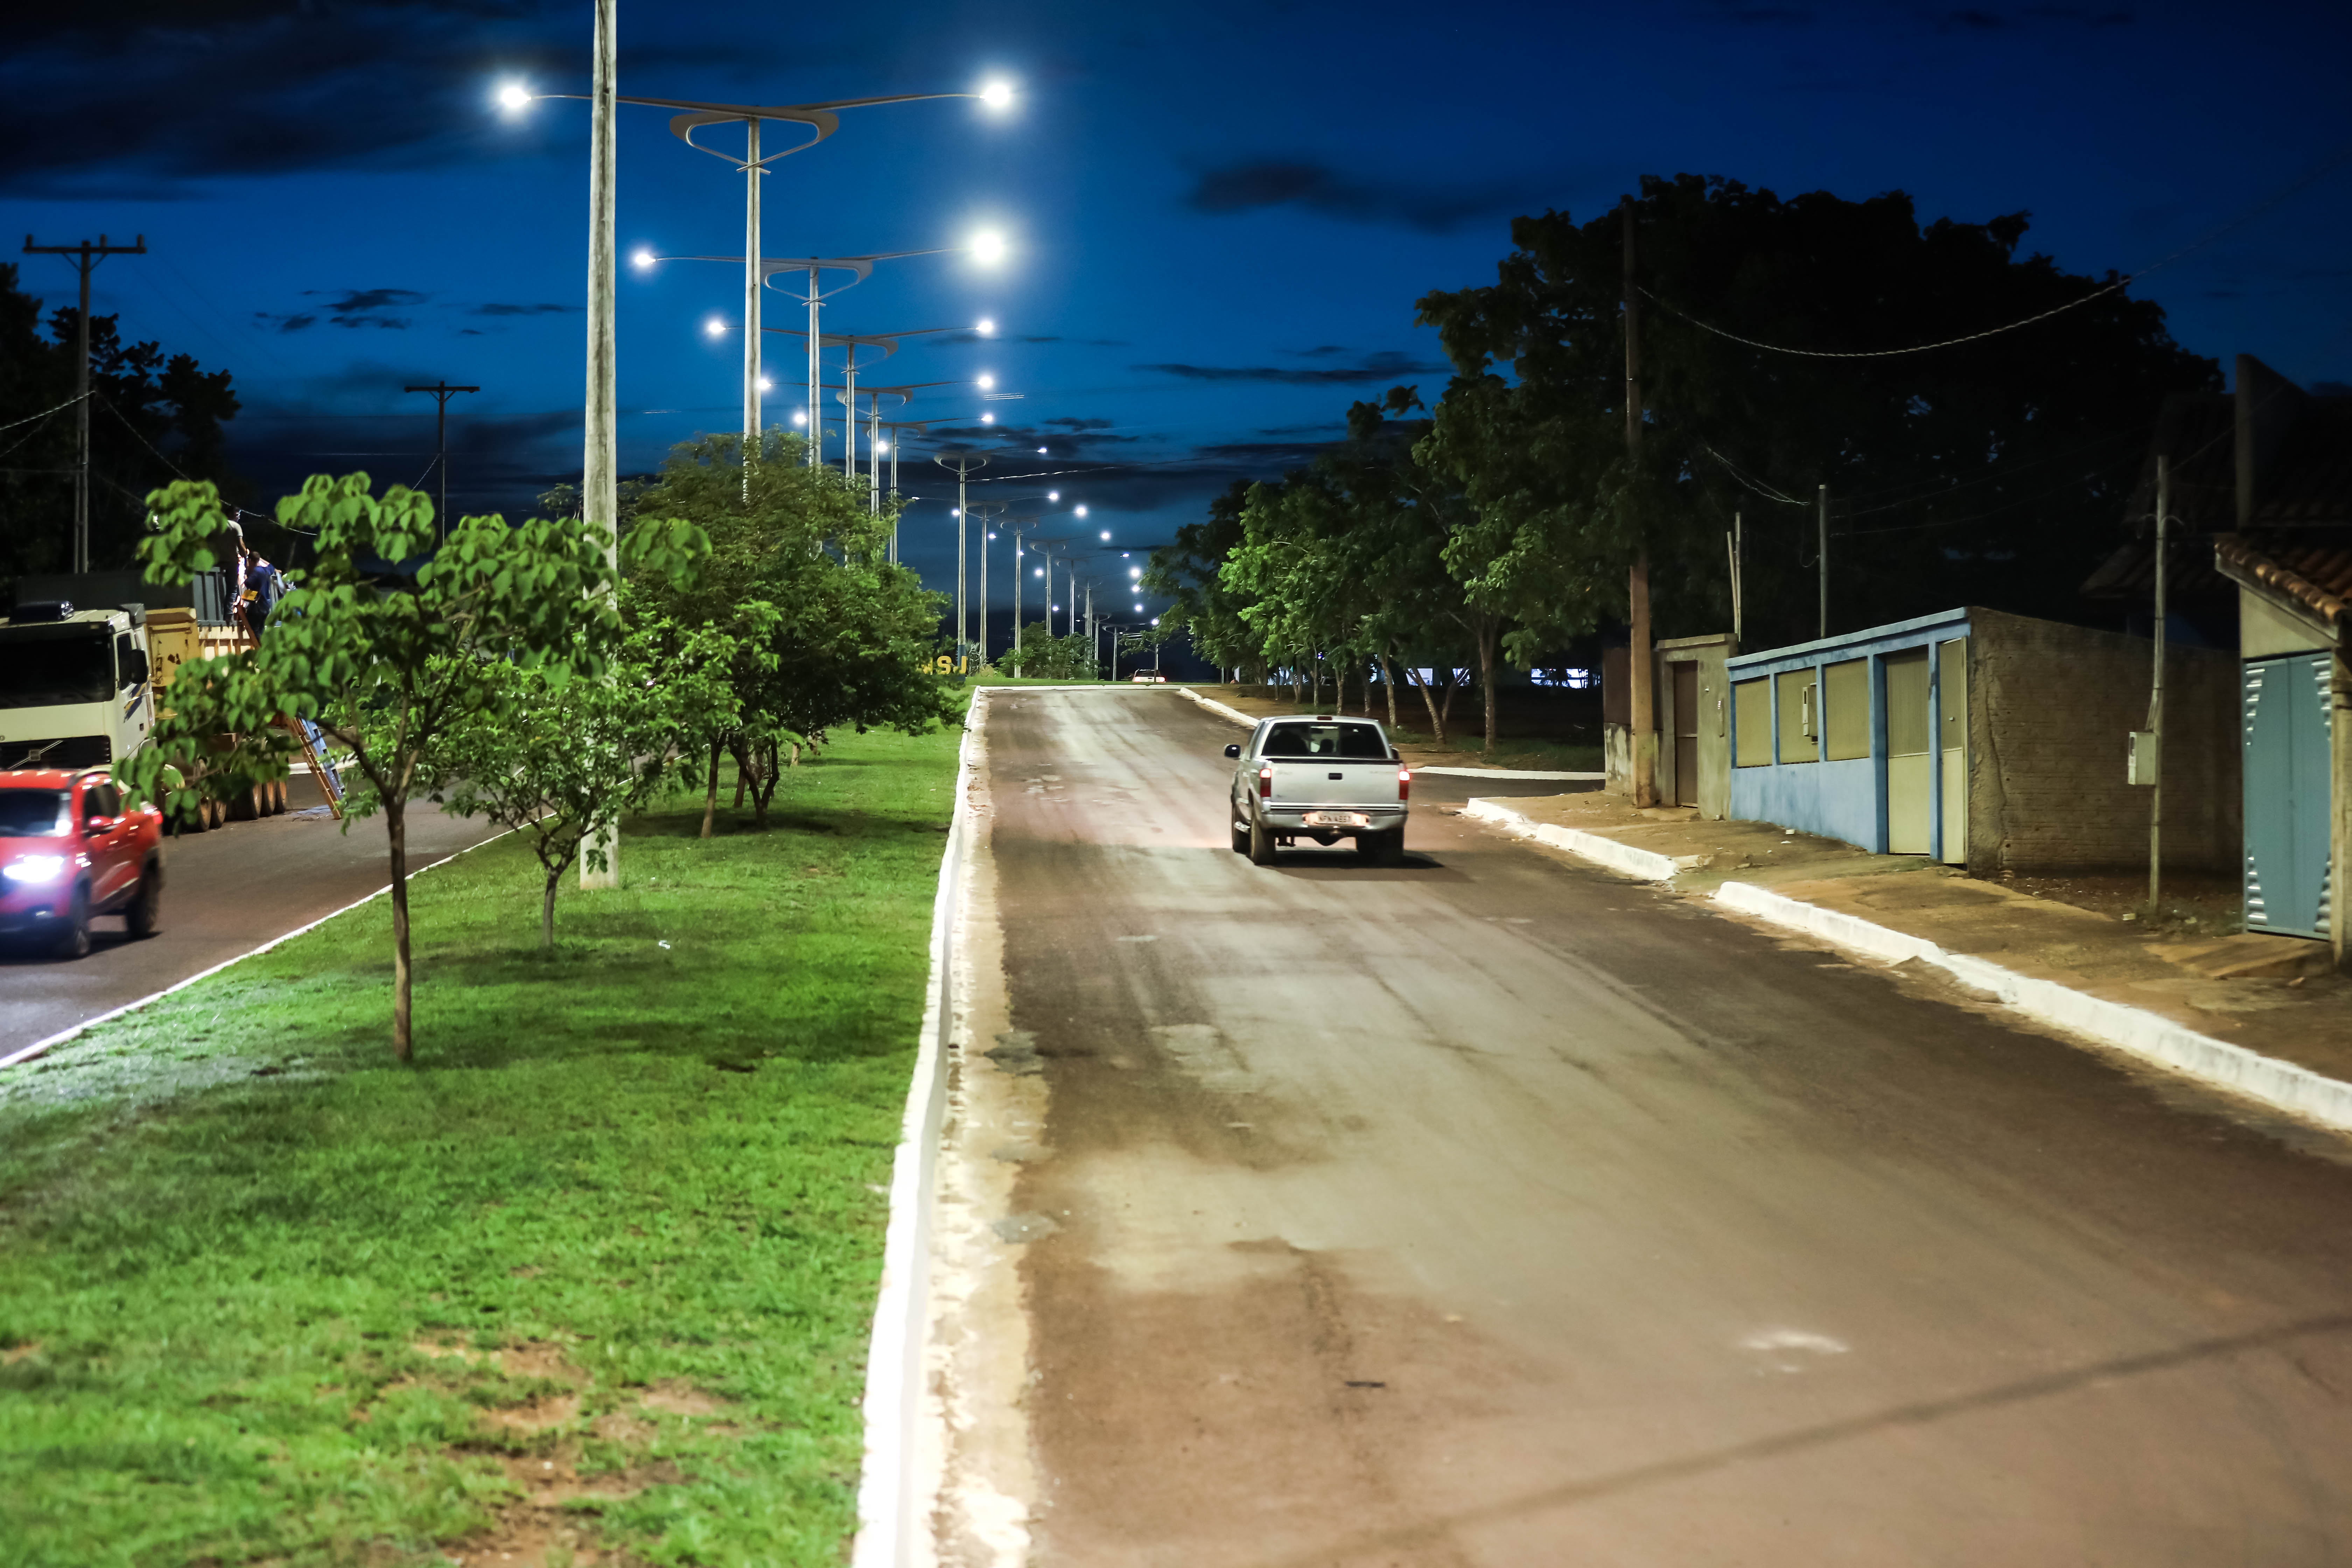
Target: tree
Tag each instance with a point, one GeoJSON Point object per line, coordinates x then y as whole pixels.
{"type": "Point", "coordinates": [387, 669]}
{"type": "Point", "coordinates": [1072, 657]}
{"type": "Point", "coordinates": [852, 634]}
{"type": "Point", "coordinates": [1190, 572]}
{"type": "Point", "coordinates": [1987, 472]}
{"type": "Point", "coordinates": [560, 761]}
{"type": "Point", "coordinates": [154, 416]}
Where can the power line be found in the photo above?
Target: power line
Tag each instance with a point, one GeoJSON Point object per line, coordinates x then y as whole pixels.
{"type": "Point", "coordinates": [60, 408]}
{"type": "Point", "coordinates": [2326, 166]}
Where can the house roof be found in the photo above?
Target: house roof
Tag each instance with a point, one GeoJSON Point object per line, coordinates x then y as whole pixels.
{"type": "Point", "coordinates": [2315, 575]}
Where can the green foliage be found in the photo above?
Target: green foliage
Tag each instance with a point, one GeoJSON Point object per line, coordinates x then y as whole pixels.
{"type": "Point", "coordinates": [851, 637]}
{"type": "Point", "coordinates": [253, 1279]}
{"type": "Point", "coordinates": [387, 669]}
{"type": "Point", "coordinates": [1991, 472]}
{"type": "Point", "coordinates": [559, 761]}
{"type": "Point", "coordinates": [1068, 657]}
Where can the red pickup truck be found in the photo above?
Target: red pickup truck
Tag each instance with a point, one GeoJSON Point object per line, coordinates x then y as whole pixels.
{"type": "Point", "coordinates": [70, 851]}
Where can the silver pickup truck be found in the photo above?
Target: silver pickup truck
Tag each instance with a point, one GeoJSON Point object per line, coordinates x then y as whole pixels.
{"type": "Point", "coordinates": [1320, 778]}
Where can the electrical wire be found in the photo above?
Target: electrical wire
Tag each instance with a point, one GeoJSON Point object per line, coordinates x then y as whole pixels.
{"type": "Point", "coordinates": [60, 408]}
{"type": "Point", "coordinates": [2326, 166]}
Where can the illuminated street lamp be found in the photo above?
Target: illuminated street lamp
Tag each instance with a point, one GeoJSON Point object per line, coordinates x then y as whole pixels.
{"type": "Point", "coordinates": [819, 120]}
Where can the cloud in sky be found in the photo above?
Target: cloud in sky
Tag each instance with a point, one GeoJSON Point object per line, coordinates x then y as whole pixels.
{"type": "Point", "coordinates": [1385, 366]}
{"type": "Point", "coordinates": [495, 309]}
{"type": "Point", "coordinates": [1433, 207]}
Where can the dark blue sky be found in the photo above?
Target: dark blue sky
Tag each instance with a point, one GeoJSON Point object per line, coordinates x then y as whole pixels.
{"type": "Point", "coordinates": [1220, 214]}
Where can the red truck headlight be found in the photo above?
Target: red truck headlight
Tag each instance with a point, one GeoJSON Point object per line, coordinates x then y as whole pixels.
{"type": "Point", "coordinates": [1265, 781]}
{"type": "Point", "coordinates": [1404, 784]}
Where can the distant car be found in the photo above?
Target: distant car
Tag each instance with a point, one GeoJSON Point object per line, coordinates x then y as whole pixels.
{"type": "Point", "coordinates": [69, 851]}
{"type": "Point", "coordinates": [1149, 678]}
{"type": "Point", "coordinates": [1320, 777]}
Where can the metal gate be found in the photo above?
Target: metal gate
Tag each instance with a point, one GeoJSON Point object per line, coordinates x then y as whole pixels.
{"type": "Point", "coordinates": [2286, 784]}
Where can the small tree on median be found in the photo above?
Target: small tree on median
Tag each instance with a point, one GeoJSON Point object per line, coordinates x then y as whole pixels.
{"type": "Point", "coordinates": [387, 665]}
{"type": "Point", "coordinates": [560, 761]}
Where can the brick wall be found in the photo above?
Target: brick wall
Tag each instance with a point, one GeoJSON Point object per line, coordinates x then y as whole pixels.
{"type": "Point", "coordinates": [2051, 710]}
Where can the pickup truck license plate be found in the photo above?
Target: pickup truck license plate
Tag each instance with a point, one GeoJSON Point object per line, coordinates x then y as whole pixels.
{"type": "Point", "coordinates": [1338, 819]}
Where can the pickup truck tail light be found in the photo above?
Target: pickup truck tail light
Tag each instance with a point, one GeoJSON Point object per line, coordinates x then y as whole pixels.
{"type": "Point", "coordinates": [1404, 784]}
{"type": "Point", "coordinates": [1265, 781]}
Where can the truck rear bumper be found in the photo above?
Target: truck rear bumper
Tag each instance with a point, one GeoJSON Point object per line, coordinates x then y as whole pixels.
{"type": "Point", "coordinates": [1293, 819]}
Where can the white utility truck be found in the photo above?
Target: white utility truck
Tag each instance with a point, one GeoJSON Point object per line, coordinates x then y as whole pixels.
{"type": "Point", "coordinates": [75, 686]}
{"type": "Point", "coordinates": [1320, 777]}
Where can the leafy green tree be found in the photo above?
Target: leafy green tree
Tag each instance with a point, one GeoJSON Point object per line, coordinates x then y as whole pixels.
{"type": "Point", "coordinates": [852, 634]}
{"type": "Point", "coordinates": [1990, 471]}
{"type": "Point", "coordinates": [388, 671]}
{"type": "Point", "coordinates": [561, 760]}
{"type": "Point", "coordinates": [1190, 573]}
{"type": "Point", "coordinates": [1072, 657]}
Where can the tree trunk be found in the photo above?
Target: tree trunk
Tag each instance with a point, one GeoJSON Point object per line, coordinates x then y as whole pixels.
{"type": "Point", "coordinates": [1453, 689]}
{"type": "Point", "coordinates": [395, 827]}
{"type": "Point", "coordinates": [1437, 718]}
{"type": "Point", "coordinates": [710, 800]}
{"type": "Point", "coordinates": [1388, 685]}
{"type": "Point", "coordinates": [1486, 682]}
{"type": "Point", "coordinates": [547, 909]}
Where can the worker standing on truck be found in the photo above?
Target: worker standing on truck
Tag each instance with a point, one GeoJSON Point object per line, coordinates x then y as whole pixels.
{"type": "Point", "coordinates": [256, 585]}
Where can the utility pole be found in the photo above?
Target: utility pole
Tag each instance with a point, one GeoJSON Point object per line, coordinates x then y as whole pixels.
{"type": "Point", "coordinates": [599, 495]}
{"type": "Point", "coordinates": [1017, 569]}
{"type": "Point", "coordinates": [2155, 700]}
{"type": "Point", "coordinates": [1736, 542]}
{"type": "Point", "coordinates": [1823, 550]}
{"type": "Point", "coordinates": [964, 463]}
{"type": "Point", "coordinates": [86, 257]}
{"type": "Point", "coordinates": [751, 282]}
{"type": "Point", "coordinates": [442, 391]}
{"type": "Point", "coordinates": [1637, 585]}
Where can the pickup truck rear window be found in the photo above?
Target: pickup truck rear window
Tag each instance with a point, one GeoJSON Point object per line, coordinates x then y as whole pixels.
{"type": "Point", "coordinates": [1353, 742]}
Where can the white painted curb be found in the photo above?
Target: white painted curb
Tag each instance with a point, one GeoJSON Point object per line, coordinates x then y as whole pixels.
{"type": "Point", "coordinates": [1513, 774]}
{"type": "Point", "coordinates": [1219, 709]}
{"type": "Point", "coordinates": [891, 1507]}
{"type": "Point", "coordinates": [2136, 1031]}
{"type": "Point", "coordinates": [2150, 1036]}
{"type": "Point", "coordinates": [39, 1047]}
{"type": "Point", "coordinates": [1644, 863]}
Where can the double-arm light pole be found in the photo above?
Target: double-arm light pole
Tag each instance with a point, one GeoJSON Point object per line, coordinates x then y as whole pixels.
{"type": "Point", "coordinates": [442, 391]}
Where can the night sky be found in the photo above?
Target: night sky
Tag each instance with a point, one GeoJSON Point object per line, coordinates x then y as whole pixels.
{"type": "Point", "coordinates": [1220, 215]}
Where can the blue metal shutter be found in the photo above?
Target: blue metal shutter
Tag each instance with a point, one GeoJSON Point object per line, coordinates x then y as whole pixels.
{"type": "Point", "coordinates": [2286, 789]}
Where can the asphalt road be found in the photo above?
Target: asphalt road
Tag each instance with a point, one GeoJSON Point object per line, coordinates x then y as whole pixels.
{"type": "Point", "coordinates": [1489, 1210]}
{"type": "Point", "coordinates": [225, 892]}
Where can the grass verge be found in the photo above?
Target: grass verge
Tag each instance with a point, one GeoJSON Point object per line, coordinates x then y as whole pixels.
{"type": "Point", "coordinates": [590, 1284]}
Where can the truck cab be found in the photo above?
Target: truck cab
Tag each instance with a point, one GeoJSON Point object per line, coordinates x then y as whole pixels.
{"type": "Point", "coordinates": [1320, 777]}
{"type": "Point", "coordinates": [75, 687]}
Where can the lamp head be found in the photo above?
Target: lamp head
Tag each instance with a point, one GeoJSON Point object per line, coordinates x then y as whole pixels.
{"type": "Point", "coordinates": [997, 95]}
{"type": "Point", "coordinates": [642, 260]}
{"type": "Point", "coordinates": [984, 327]}
{"type": "Point", "coordinates": [767, 386]}
{"type": "Point", "coordinates": [987, 382]}
{"type": "Point", "coordinates": [514, 97]}
{"type": "Point", "coordinates": [987, 247]}
{"type": "Point", "coordinates": [715, 327]}
{"type": "Point", "coordinates": [800, 416]}
{"type": "Point", "coordinates": [1081, 511]}
{"type": "Point", "coordinates": [1051, 495]}
{"type": "Point", "coordinates": [988, 419]}
{"type": "Point", "coordinates": [1106, 535]}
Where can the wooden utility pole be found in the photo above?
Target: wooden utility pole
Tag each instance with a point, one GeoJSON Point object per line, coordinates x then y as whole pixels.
{"type": "Point", "coordinates": [442, 391]}
{"type": "Point", "coordinates": [86, 257]}
{"type": "Point", "coordinates": [2155, 700]}
{"type": "Point", "coordinates": [1821, 543]}
{"type": "Point", "coordinates": [1637, 586]}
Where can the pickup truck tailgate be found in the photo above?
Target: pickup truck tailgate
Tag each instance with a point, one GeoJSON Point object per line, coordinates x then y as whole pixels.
{"type": "Point", "coordinates": [1333, 782]}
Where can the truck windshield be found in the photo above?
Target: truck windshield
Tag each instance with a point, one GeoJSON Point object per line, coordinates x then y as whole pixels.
{"type": "Point", "coordinates": [34, 813]}
{"type": "Point", "coordinates": [1353, 742]}
{"type": "Point", "coordinates": [44, 666]}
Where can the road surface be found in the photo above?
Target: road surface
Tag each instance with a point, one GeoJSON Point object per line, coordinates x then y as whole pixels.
{"type": "Point", "coordinates": [1492, 1211]}
{"type": "Point", "coordinates": [225, 892]}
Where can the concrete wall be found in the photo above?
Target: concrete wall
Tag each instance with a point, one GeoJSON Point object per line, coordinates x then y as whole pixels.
{"type": "Point", "coordinates": [2051, 708]}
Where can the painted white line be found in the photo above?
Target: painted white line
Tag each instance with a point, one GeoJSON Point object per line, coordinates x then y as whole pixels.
{"type": "Point", "coordinates": [1219, 709]}
{"type": "Point", "coordinates": [1643, 863]}
{"type": "Point", "coordinates": [1510, 773]}
{"type": "Point", "coordinates": [2136, 1031]}
{"type": "Point", "coordinates": [892, 1506]}
{"type": "Point", "coordinates": [39, 1047]}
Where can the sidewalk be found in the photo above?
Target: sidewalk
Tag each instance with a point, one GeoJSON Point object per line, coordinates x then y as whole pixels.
{"type": "Point", "coordinates": [2260, 1015]}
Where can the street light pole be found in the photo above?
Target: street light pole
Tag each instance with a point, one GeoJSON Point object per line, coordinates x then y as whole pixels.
{"type": "Point", "coordinates": [599, 497]}
{"type": "Point", "coordinates": [752, 281]}
{"type": "Point", "coordinates": [86, 258]}
{"type": "Point", "coordinates": [442, 391]}
{"type": "Point", "coordinates": [963, 465]}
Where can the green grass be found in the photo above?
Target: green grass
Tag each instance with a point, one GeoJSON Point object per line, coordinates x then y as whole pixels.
{"type": "Point", "coordinates": [251, 1272]}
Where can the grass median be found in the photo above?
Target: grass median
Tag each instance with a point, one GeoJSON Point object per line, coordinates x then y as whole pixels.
{"type": "Point", "coordinates": [591, 1283]}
